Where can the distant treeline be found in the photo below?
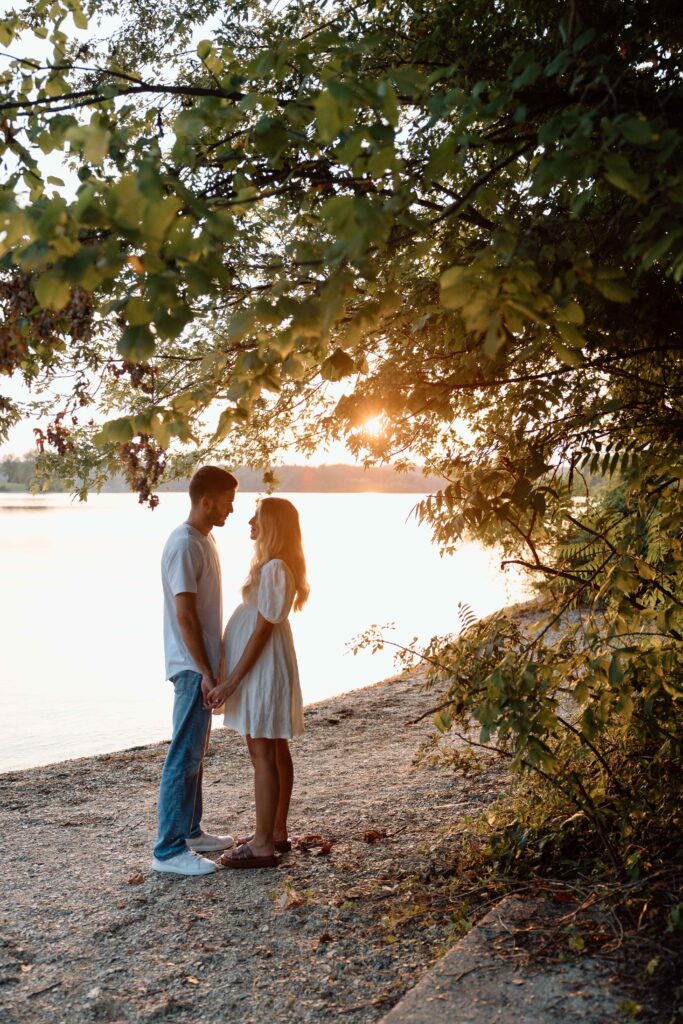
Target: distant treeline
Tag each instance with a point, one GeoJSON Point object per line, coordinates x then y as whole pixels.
{"type": "Point", "coordinates": [16, 474]}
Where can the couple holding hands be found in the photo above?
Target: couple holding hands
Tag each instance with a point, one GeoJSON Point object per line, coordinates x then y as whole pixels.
{"type": "Point", "coordinates": [249, 674]}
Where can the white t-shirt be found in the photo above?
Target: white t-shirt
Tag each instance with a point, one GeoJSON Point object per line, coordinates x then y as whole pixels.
{"type": "Point", "coordinates": [190, 565]}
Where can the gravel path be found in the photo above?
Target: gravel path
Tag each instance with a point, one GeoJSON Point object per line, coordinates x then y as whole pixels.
{"type": "Point", "coordinates": [89, 933]}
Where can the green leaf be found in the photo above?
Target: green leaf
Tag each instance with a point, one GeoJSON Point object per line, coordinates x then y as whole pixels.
{"type": "Point", "coordinates": [336, 366]}
{"type": "Point", "coordinates": [637, 130]}
{"type": "Point", "coordinates": [55, 86]}
{"type": "Point", "coordinates": [136, 344]}
{"type": "Point", "coordinates": [117, 431]}
{"type": "Point", "coordinates": [240, 324]}
{"type": "Point", "coordinates": [581, 41]}
{"type": "Point", "coordinates": [571, 313]}
{"type": "Point", "coordinates": [616, 672]}
{"type": "Point", "coordinates": [455, 288]}
{"type": "Point", "coordinates": [442, 721]}
{"type": "Point", "coordinates": [645, 570]}
{"type": "Point", "coordinates": [204, 47]}
{"type": "Point", "coordinates": [619, 173]}
{"type": "Point", "coordinates": [559, 64]}
{"type": "Point", "coordinates": [226, 422]}
{"type": "Point", "coordinates": [52, 291]}
{"type": "Point", "coordinates": [528, 76]}
{"type": "Point", "coordinates": [571, 334]}
{"type": "Point", "coordinates": [293, 367]}
{"type": "Point", "coordinates": [568, 355]}
{"type": "Point", "coordinates": [95, 143]}
{"type": "Point", "coordinates": [328, 116]}
{"type": "Point", "coordinates": [494, 338]}
{"type": "Point", "coordinates": [158, 218]}
{"type": "Point", "coordinates": [189, 123]}
{"type": "Point", "coordinates": [137, 312]}
{"type": "Point", "coordinates": [7, 31]}
{"type": "Point", "coordinates": [614, 289]}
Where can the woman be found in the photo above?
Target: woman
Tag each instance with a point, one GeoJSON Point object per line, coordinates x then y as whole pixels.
{"type": "Point", "coordinates": [261, 689]}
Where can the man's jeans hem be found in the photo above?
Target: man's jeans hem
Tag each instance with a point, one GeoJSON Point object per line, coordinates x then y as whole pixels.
{"type": "Point", "coordinates": [169, 856]}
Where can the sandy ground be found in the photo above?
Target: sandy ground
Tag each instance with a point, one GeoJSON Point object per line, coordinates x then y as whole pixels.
{"type": "Point", "coordinates": [89, 933]}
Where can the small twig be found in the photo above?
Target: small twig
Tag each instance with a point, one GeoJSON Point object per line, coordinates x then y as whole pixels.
{"type": "Point", "coordinates": [463, 974]}
{"type": "Point", "coordinates": [47, 988]}
{"type": "Point", "coordinates": [432, 711]}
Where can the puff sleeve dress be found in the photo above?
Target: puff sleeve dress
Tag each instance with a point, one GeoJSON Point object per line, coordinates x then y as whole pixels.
{"type": "Point", "coordinates": [267, 703]}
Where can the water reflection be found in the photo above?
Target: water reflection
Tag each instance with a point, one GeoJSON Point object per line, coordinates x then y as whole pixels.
{"type": "Point", "coordinates": [81, 663]}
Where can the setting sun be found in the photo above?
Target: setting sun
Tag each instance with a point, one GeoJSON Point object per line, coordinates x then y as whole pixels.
{"type": "Point", "coordinates": [374, 426]}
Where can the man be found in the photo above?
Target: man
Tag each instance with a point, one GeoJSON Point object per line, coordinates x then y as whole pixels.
{"type": "Point", "coordinates": [191, 577]}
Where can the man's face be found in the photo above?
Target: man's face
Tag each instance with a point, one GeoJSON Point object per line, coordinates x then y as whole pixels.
{"type": "Point", "coordinates": [219, 507]}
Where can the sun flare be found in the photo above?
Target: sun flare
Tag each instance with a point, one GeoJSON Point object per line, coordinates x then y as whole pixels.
{"type": "Point", "coordinates": [374, 426]}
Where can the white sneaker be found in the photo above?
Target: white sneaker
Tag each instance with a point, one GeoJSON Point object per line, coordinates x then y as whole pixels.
{"type": "Point", "coordinates": [205, 843]}
{"type": "Point", "coordinates": [185, 863]}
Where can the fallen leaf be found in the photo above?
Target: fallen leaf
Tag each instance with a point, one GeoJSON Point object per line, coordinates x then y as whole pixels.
{"type": "Point", "coordinates": [25, 968]}
{"type": "Point", "coordinates": [373, 834]}
{"type": "Point", "coordinates": [312, 841]}
{"type": "Point", "coordinates": [121, 904]}
{"type": "Point", "coordinates": [307, 841]}
{"type": "Point", "coordinates": [137, 878]}
{"type": "Point", "coordinates": [191, 980]}
{"type": "Point", "coordinates": [325, 937]}
{"type": "Point", "coordinates": [563, 897]}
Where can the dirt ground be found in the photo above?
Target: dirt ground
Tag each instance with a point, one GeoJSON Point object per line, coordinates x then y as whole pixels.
{"type": "Point", "coordinates": [89, 933]}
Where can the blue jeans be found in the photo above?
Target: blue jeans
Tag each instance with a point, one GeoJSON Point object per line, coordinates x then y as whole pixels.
{"type": "Point", "coordinates": [179, 810]}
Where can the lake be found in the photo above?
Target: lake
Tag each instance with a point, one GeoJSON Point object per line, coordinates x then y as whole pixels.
{"type": "Point", "coordinates": [81, 654]}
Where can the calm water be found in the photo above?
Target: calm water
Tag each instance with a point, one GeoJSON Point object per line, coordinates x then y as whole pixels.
{"type": "Point", "coordinates": [81, 657]}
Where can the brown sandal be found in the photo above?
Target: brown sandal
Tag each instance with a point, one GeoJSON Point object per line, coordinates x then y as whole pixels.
{"type": "Point", "coordinates": [244, 858]}
{"type": "Point", "coordinates": [281, 845]}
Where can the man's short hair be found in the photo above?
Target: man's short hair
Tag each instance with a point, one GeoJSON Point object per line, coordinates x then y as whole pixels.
{"type": "Point", "coordinates": [209, 481]}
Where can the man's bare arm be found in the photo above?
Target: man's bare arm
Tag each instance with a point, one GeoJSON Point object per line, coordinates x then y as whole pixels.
{"type": "Point", "coordinates": [190, 627]}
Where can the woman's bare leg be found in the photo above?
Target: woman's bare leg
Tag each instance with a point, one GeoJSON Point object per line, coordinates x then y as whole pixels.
{"type": "Point", "coordinates": [285, 771]}
{"type": "Point", "coordinates": [266, 793]}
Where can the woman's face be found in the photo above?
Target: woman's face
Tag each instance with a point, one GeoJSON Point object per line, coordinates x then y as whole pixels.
{"type": "Point", "coordinates": [253, 525]}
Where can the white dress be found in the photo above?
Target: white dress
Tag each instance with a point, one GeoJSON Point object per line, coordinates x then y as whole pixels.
{"type": "Point", "coordinates": [267, 703]}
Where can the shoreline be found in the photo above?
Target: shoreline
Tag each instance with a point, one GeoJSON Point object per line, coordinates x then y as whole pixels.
{"type": "Point", "coordinates": [215, 730]}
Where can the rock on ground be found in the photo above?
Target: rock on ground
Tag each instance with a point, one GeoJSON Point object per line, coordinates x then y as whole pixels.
{"type": "Point", "coordinates": [496, 975]}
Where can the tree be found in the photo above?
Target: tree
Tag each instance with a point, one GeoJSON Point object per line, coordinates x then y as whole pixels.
{"type": "Point", "coordinates": [473, 212]}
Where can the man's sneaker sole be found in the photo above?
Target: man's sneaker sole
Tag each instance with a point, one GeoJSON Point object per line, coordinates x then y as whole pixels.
{"type": "Point", "coordinates": [164, 868]}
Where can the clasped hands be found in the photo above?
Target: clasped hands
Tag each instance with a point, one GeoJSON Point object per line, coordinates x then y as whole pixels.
{"type": "Point", "coordinates": [216, 694]}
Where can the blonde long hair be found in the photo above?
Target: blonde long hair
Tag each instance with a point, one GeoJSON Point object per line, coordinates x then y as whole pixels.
{"type": "Point", "coordinates": [279, 536]}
